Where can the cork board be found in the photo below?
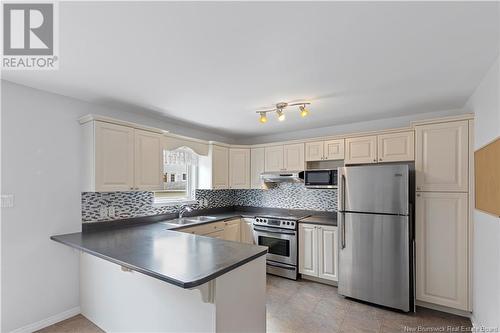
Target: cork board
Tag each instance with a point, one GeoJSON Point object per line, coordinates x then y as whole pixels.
{"type": "Point", "coordinates": [487, 178]}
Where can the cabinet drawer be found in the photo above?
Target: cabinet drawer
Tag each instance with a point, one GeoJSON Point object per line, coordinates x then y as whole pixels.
{"type": "Point", "coordinates": [204, 228]}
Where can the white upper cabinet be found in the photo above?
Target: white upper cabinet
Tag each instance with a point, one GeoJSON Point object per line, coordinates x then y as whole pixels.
{"type": "Point", "coordinates": [391, 147]}
{"type": "Point", "coordinates": [239, 168]}
{"type": "Point", "coordinates": [441, 161]}
{"type": "Point", "coordinates": [293, 157]}
{"type": "Point", "coordinates": [114, 157]}
{"type": "Point", "coordinates": [315, 151]}
{"type": "Point", "coordinates": [121, 158]}
{"type": "Point", "coordinates": [334, 149]}
{"type": "Point", "coordinates": [325, 150]}
{"type": "Point", "coordinates": [442, 251]}
{"type": "Point", "coordinates": [220, 167]}
{"type": "Point", "coordinates": [257, 166]}
{"type": "Point", "coordinates": [395, 147]}
{"type": "Point", "coordinates": [361, 150]}
{"type": "Point", "coordinates": [274, 159]}
{"type": "Point", "coordinates": [148, 161]}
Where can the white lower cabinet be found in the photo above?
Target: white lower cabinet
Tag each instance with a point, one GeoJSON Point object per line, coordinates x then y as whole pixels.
{"type": "Point", "coordinates": [232, 230]}
{"type": "Point", "coordinates": [246, 230]}
{"type": "Point", "coordinates": [217, 234]}
{"type": "Point", "coordinates": [327, 253]}
{"type": "Point", "coordinates": [318, 251]}
{"type": "Point", "coordinates": [308, 249]}
{"type": "Point", "coordinates": [442, 253]}
{"type": "Point", "coordinates": [227, 230]}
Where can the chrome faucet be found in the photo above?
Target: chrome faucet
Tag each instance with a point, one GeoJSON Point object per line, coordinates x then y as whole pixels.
{"type": "Point", "coordinates": [183, 209]}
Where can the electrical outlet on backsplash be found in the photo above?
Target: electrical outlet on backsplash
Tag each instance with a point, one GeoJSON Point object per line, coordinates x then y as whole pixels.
{"type": "Point", "coordinates": [135, 204]}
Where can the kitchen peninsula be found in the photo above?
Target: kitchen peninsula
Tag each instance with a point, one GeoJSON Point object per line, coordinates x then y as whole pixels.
{"type": "Point", "coordinates": [151, 278]}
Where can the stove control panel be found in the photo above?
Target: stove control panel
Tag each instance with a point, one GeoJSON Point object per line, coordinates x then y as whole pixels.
{"type": "Point", "coordinates": [278, 223]}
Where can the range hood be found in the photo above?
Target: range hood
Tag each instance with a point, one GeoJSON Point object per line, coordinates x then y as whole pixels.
{"type": "Point", "coordinates": [282, 177]}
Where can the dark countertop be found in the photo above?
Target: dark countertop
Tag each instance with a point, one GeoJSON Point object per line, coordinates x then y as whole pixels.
{"type": "Point", "coordinates": [182, 259]}
{"type": "Point", "coordinates": [319, 219]}
{"type": "Point", "coordinates": [151, 245]}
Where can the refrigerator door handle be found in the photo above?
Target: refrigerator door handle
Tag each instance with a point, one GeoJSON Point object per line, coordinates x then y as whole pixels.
{"type": "Point", "coordinates": [341, 188]}
{"type": "Point", "coordinates": [342, 230]}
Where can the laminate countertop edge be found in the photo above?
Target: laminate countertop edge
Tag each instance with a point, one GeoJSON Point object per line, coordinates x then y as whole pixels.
{"type": "Point", "coordinates": [186, 284]}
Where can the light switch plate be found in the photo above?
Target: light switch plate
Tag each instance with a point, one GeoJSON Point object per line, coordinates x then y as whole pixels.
{"type": "Point", "coordinates": [7, 200]}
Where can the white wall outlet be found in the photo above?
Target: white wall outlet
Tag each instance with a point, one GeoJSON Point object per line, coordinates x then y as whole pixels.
{"type": "Point", "coordinates": [7, 200]}
{"type": "Point", "coordinates": [205, 202]}
{"type": "Point", "coordinates": [103, 211]}
{"type": "Point", "coordinates": [111, 211]}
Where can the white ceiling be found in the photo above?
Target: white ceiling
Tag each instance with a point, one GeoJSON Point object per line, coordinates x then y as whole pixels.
{"type": "Point", "coordinates": [214, 64]}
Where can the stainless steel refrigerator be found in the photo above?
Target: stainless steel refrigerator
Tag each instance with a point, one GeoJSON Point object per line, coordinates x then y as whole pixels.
{"type": "Point", "coordinates": [375, 259]}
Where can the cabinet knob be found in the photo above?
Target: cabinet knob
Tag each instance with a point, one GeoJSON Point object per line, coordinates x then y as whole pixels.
{"type": "Point", "coordinates": [418, 194]}
{"type": "Point", "coordinates": [374, 160]}
{"type": "Point", "coordinates": [380, 159]}
{"type": "Point", "coordinates": [418, 188]}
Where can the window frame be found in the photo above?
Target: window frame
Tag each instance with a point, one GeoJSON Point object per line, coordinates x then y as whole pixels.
{"type": "Point", "coordinates": [192, 181]}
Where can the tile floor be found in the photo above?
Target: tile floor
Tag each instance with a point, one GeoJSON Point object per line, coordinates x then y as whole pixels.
{"type": "Point", "coordinates": [304, 306]}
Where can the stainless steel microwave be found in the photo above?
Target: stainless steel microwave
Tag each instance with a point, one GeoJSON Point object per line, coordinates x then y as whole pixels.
{"type": "Point", "coordinates": [321, 178]}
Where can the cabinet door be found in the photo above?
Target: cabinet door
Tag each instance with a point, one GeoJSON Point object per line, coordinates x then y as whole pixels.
{"type": "Point", "coordinates": [148, 161]}
{"type": "Point", "coordinates": [308, 250]}
{"type": "Point", "coordinates": [396, 147]}
{"type": "Point", "coordinates": [217, 234]}
{"type": "Point", "coordinates": [361, 150]}
{"type": "Point", "coordinates": [232, 230]}
{"type": "Point", "coordinates": [220, 167]}
{"type": "Point", "coordinates": [315, 151]}
{"type": "Point", "coordinates": [274, 158]}
{"type": "Point", "coordinates": [441, 162]}
{"type": "Point", "coordinates": [239, 168]}
{"type": "Point", "coordinates": [257, 166]}
{"type": "Point", "coordinates": [334, 149]}
{"type": "Point", "coordinates": [327, 248]}
{"type": "Point", "coordinates": [114, 157]}
{"type": "Point", "coordinates": [247, 230]}
{"type": "Point", "coordinates": [441, 242]}
{"type": "Point", "coordinates": [294, 157]}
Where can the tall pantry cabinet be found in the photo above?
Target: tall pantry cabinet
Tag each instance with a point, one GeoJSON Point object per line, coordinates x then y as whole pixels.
{"type": "Point", "coordinates": [442, 223]}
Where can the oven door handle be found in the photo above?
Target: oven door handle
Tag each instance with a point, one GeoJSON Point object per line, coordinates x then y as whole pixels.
{"type": "Point", "coordinates": [275, 232]}
{"type": "Point", "coordinates": [291, 268]}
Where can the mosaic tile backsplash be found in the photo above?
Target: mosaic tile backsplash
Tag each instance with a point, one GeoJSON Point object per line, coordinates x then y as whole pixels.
{"type": "Point", "coordinates": [135, 204]}
{"type": "Point", "coordinates": [288, 196]}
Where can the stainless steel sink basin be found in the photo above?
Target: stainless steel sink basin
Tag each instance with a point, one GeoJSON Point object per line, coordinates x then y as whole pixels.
{"type": "Point", "coordinates": [191, 220]}
{"type": "Point", "coordinates": [200, 218]}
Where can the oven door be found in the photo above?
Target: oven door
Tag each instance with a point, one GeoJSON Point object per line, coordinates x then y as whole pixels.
{"type": "Point", "coordinates": [321, 178]}
{"type": "Point", "coordinates": [281, 243]}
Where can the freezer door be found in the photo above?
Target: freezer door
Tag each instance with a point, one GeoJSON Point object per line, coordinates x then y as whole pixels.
{"type": "Point", "coordinates": [375, 189]}
{"type": "Point", "coordinates": [374, 259]}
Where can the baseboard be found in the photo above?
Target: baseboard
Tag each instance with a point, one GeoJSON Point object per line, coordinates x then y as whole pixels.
{"type": "Point", "coordinates": [446, 309]}
{"type": "Point", "coordinates": [474, 322]}
{"type": "Point", "coordinates": [316, 279]}
{"type": "Point", "coordinates": [48, 321]}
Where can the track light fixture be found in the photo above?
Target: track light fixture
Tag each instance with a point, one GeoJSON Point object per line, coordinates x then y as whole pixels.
{"type": "Point", "coordinates": [281, 115]}
{"type": "Point", "coordinates": [280, 110]}
{"type": "Point", "coordinates": [263, 117]}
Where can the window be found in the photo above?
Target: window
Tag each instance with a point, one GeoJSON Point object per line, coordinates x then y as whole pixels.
{"type": "Point", "coordinates": [180, 168]}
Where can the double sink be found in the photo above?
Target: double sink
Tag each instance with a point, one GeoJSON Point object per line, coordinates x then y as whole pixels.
{"type": "Point", "coordinates": [190, 220]}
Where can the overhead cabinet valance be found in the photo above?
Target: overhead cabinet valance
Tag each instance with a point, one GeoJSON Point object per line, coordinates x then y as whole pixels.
{"type": "Point", "coordinates": [172, 143]}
